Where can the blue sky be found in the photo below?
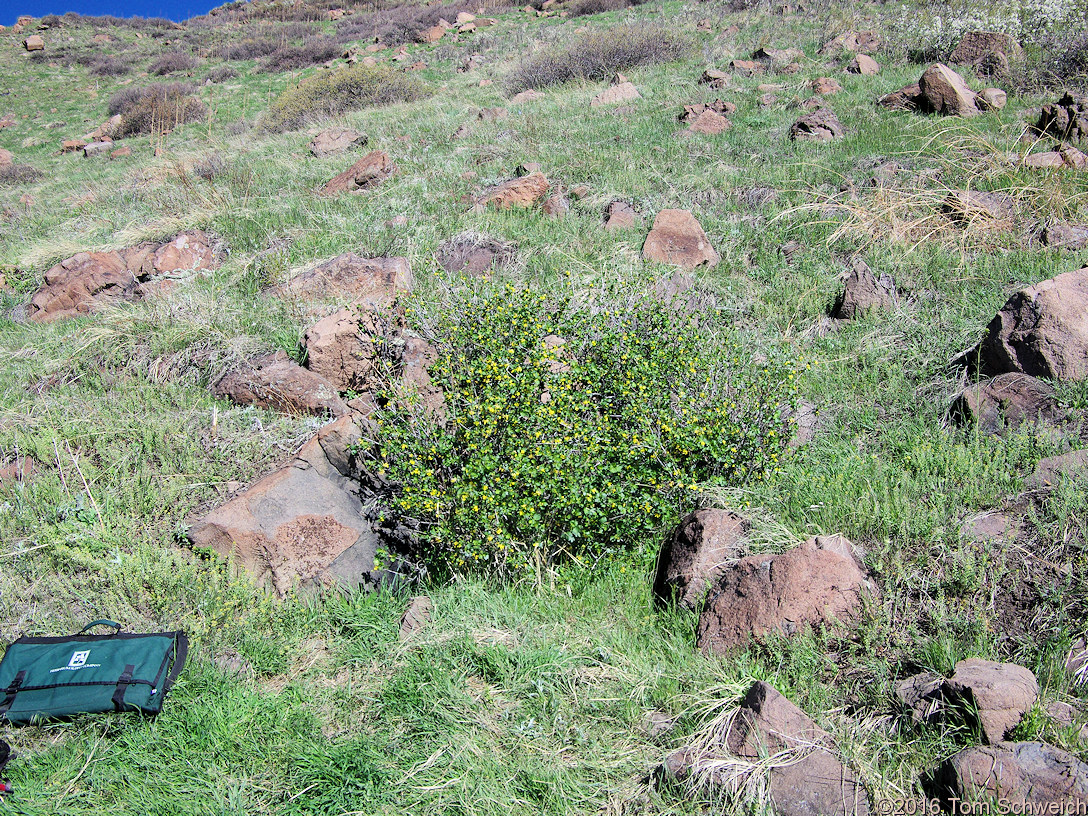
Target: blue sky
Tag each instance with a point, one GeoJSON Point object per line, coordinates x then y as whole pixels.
{"type": "Point", "coordinates": [171, 9]}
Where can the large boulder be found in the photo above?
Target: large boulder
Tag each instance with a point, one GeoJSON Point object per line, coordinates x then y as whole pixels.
{"type": "Point", "coordinates": [813, 584]}
{"type": "Point", "coordinates": [946, 92]}
{"type": "Point", "coordinates": [804, 776]}
{"type": "Point", "coordinates": [276, 382]}
{"type": "Point", "coordinates": [370, 171]}
{"type": "Point", "coordinates": [1004, 403]}
{"type": "Point", "coordinates": [677, 238]}
{"type": "Point", "coordinates": [696, 553]}
{"type": "Point", "coordinates": [302, 526]}
{"type": "Point", "coordinates": [1015, 774]}
{"type": "Point", "coordinates": [34, 43]}
{"type": "Point", "coordinates": [1041, 330]}
{"type": "Point", "coordinates": [373, 282]}
{"type": "Point", "coordinates": [986, 48]}
{"type": "Point", "coordinates": [515, 193]}
{"type": "Point", "coordinates": [864, 292]}
{"type": "Point", "coordinates": [994, 695]}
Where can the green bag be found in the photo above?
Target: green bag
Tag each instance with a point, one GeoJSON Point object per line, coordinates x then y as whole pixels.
{"type": "Point", "coordinates": [46, 678]}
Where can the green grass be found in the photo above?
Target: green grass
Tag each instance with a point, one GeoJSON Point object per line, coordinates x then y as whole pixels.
{"type": "Point", "coordinates": [520, 697]}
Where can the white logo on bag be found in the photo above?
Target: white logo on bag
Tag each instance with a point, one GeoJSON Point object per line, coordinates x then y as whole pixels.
{"type": "Point", "coordinates": [78, 661]}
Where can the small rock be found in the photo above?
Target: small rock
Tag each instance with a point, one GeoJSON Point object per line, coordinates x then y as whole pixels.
{"type": "Point", "coordinates": [370, 281]}
{"type": "Point", "coordinates": [370, 171]}
{"type": "Point", "coordinates": [274, 381]}
{"type": "Point", "coordinates": [475, 254]}
{"type": "Point", "coordinates": [1065, 236]}
{"type": "Point", "coordinates": [1006, 402]}
{"type": "Point", "coordinates": [921, 695]}
{"type": "Point", "coordinates": [997, 695]}
{"type": "Point", "coordinates": [864, 292]}
{"type": "Point", "coordinates": [526, 96]}
{"type": "Point", "coordinates": [863, 64]}
{"type": "Point", "coordinates": [710, 123]}
{"type": "Point", "coordinates": [811, 781]}
{"type": "Point", "coordinates": [677, 238]}
{"type": "Point", "coordinates": [620, 215]}
{"type": "Point", "coordinates": [821, 125]}
{"type": "Point", "coordinates": [516, 193]}
{"type": "Point", "coordinates": [1051, 470]}
{"type": "Point", "coordinates": [624, 92]}
{"type": "Point", "coordinates": [715, 78]}
{"type": "Point", "coordinates": [34, 43]}
{"type": "Point", "coordinates": [1015, 774]}
{"type": "Point", "coordinates": [825, 86]}
{"type": "Point", "coordinates": [336, 140]}
{"type": "Point", "coordinates": [946, 92]}
{"type": "Point", "coordinates": [909, 97]}
{"type": "Point", "coordinates": [1041, 331]}
{"type": "Point", "coordinates": [993, 99]}
{"type": "Point", "coordinates": [556, 205]}
{"type": "Point", "coordinates": [807, 586]}
{"type": "Point", "coordinates": [415, 617]}
{"type": "Point", "coordinates": [120, 153]}
{"type": "Point", "coordinates": [973, 205]}
{"type": "Point", "coordinates": [696, 553]}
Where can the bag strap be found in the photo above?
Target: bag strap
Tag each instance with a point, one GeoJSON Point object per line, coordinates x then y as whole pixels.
{"type": "Point", "coordinates": [181, 651]}
{"type": "Point", "coordinates": [102, 622]}
{"type": "Point", "coordinates": [10, 693]}
{"type": "Point", "coordinates": [122, 686]}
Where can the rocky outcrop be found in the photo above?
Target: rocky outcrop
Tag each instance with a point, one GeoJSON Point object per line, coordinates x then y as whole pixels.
{"type": "Point", "coordinates": [696, 553]}
{"type": "Point", "coordinates": [1041, 330]}
{"type": "Point", "coordinates": [677, 238]}
{"type": "Point", "coordinates": [276, 382]}
{"type": "Point", "coordinates": [302, 526]}
{"type": "Point", "coordinates": [88, 281]}
{"type": "Point", "coordinates": [820, 581]}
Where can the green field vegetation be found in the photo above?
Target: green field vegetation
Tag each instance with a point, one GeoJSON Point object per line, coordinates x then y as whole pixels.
{"type": "Point", "coordinates": [531, 691]}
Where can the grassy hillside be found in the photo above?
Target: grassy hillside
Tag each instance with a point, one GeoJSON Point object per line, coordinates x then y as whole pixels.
{"type": "Point", "coordinates": [543, 693]}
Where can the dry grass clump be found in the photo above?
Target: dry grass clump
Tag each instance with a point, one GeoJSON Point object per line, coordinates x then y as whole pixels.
{"type": "Point", "coordinates": [155, 108]}
{"type": "Point", "coordinates": [583, 8]}
{"type": "Point", "coordinates": [597, 55]}
{"type": "Point", "coordinates": [172, 62]}
{"type": "Point", "coordinates": [312, 52]}
{"type": "Point", "coordinates": [108, 66]}
{"type": "Point", "coordinates": [334, 93]}
{"type": "Point", "coordinates": [15, 174]}
{"type": "Point", "coordinates": [220, 73]}
{"type": "Point", "coordinates": [247, 49]}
